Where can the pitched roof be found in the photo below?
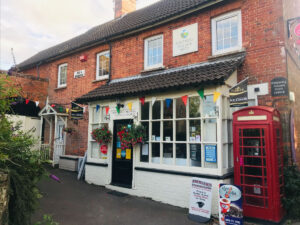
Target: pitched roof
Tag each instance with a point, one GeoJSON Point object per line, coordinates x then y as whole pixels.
{"type": "Point", "coordinates": [211, 72]}
{"type": "Point", "coordinates": [160, 11]}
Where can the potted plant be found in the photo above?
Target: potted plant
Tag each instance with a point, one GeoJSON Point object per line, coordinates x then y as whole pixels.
{"type": "Point", "coordinates": [102, 135]}
{"type": "Point", "coordinates": [68, 130]}
{"type": "Point", "coordinates": [129, 137]}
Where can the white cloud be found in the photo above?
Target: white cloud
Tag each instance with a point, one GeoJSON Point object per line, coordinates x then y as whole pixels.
{"type": "Point", "coordinates": [34, 25]}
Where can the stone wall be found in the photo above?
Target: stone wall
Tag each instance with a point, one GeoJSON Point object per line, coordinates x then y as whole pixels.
{"type": "Point", "coordinates": [4, 181]}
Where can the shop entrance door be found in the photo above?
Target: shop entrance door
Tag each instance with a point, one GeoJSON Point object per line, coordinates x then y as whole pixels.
{"type": "Point", "coordinates": [122, 158]}
{"type": "Point", "coordinates": [252, 169]}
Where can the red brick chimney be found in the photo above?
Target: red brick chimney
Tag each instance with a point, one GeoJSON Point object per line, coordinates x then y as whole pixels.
{"type": "Point", "coordinates": [124, 6]}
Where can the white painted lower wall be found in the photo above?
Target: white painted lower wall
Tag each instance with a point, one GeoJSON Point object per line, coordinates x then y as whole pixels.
{"type": "Point", "coordinates": [167, 188]}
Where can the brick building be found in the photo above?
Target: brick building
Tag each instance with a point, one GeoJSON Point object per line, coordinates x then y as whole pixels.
{"type": "Point", "coordinates": [162, 54]}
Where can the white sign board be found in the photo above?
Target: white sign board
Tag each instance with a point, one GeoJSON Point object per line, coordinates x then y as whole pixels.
{"type": "Point", "coordinates": [79, 73]}
{"type": "Point", "coordinates": [200, 200]}
{"type": "Point", "coordinates": [185, 40]}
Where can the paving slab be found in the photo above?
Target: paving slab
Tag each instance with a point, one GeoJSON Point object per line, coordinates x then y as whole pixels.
{"type": "Point", "coordinates": [74, 202]}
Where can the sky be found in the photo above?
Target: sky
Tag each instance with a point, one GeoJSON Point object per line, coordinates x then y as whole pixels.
{"type": "Point", "coordinates": [34, 25]}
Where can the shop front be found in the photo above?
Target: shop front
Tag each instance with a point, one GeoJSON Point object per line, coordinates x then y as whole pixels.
{"type": "Point", "coordinates": [188, 134]}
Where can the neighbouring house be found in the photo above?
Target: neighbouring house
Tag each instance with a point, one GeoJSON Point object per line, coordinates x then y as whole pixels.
{"type": "Point", "coordinates": [171, 67]}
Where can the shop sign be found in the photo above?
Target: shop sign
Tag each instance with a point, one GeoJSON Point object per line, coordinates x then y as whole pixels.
{"type": "Point", "coordinates": [238, 95]}
{"type": "Point", "coordinates": [211, 153]}
{"type": "Point", "coordinates": [230, 205]}
{"type": "Point", "coordinates": [279, 86]}
{"type": "Point", "coordinates": [123, 112]}
{"type": "Point", "coordinates": [103, 149]}
{"type": "Point", "coordinates": [79, 73]}
{"type": "Point", "coordinates": [185, 40]}
{"type": "Point", "coordinates": [200, 200]}
{"type": "Point", "coordinates": [76, 111]}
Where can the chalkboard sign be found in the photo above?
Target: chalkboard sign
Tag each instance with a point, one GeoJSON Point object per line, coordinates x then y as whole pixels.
{"type": "Point", "coordinates": [238, 95]}
{"type": "Point", "coordinates": [76, 111]}
{"type": "Point", "coordinates": [279, 86]}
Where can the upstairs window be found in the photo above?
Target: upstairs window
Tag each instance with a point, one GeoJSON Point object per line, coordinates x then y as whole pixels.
{"type": "Point", "coordinates": [153, 52]}
{"type": "Point", "coordinates": [62, 75]}
{"type": "Point", "coordinates": [227, 33]}
{"type": "Point", "coordinates": [102, 68]}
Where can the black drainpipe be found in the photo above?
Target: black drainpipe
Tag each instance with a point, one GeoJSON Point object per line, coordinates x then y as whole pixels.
{"type": "Point", "coordinates": [38, 69]}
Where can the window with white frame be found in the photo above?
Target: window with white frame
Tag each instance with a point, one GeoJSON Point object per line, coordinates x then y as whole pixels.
{"type": "Point", "coordinates": [227, 33]}
{"type": "Point", "coordinates": [153, 52]}
{"type": "Point", "coordinates": [181, 135]}
{"type": "Point", "coordinates": [62, 75]}
{"type": "Point", "coordinates": [97, 119]}
{"type": "Point", "coordinates": [102, 67]}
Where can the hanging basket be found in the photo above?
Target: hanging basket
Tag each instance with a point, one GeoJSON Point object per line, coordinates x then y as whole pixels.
{"type": "Point", "coordinates": [102, 135]}
{"type": "Point", "coordinates": [129, 137]}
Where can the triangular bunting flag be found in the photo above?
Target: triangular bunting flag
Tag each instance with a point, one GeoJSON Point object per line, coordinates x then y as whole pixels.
{"type": "Point", "coordinates": [67, 110]}
{"type": "Point", "coordinates": [106, 109]}
{"type": "Point", "coordinates": [27, 101]}
{"type": "Point", "coordinates": [168, 102]}
{"type": "Point", "coordinates": [60, 109]}
{"type": "Point", "coordinates": [216, 95]}
{"type": "Point", "coordinates": [142, 100]}
{"type": "Point", "coordinates": [201, 93]}
{"type": "Point", "coordinates": [52, 105]}
{"type": "Point", "coordinates": [184, 99]}
{"type": "Point", "coordinates": [97, 108]}
{"type": "Point", "coordinates": [153, 100]}
{"type": "Point", "coordinates": [118, 109]}
{"type": "Point", "coordinates": [37, 103]}
{"type": "Point", "coordinates": [129, 106]}
{"type": "Point", "coordinates": [84, 108]}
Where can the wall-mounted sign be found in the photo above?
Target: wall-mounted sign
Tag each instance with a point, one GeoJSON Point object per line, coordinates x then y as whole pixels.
{"type": "Point", "coordinates": [210, 153]}
{"type": "Point", "coordinates": [293, 42]}
{"type": "Point", "coordinates": [200, 200]}
{"type": "Point", "coordinates": [279, 86]}
{"type": "Point", "coordinates": [123, 112]}
{"type": "Point", "coordinates": [103, 149]}
{"type": "Point", "coordinates": [79, 73]}
{"type": "Point", "coordinates": [238, 95]}
{"type": "Point", "coordinates": [185, 40]}
{"type": "Point", "coordinates": [230, 205]}
{"type": "Point", "coordinates": [76, 111]}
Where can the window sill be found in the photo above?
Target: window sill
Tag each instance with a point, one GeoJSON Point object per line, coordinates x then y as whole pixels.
{"type": "Point", "coordinates": [100, 79]}
{"type": "Point", "coordinates": [60, 88]}
{"type": "Point", "coordinates": [153, 69]}
{"type": "Point", "coordinates": [218, 55]}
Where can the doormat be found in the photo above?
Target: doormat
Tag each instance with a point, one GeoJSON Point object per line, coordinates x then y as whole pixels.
{"type": "Point", "coordinates": [118, 194]}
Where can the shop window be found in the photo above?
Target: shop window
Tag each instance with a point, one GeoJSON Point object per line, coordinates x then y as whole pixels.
{"type": "Point", "coordinates": [98, 118]}
{"type": "Point", "coordinates": [153, 52]}
{"type": "Point", "coordinates": [180, 134]}
{"type": "Point", "coordinates": [102, 67]}
{"type": "Point", "coordinates": [62, 75]}
{"type": "Point", "coordinates": [226, 33]}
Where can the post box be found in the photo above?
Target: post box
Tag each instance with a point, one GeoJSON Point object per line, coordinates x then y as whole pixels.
{"type": "Point", "coordinates": [258, 161]}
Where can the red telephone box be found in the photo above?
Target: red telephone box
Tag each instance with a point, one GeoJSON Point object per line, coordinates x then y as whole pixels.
{"type": "Point", "coordinates": [258, 161]}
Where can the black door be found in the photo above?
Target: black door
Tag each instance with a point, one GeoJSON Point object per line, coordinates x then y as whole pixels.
{"type": "Point", "coordinates": [121, 158]}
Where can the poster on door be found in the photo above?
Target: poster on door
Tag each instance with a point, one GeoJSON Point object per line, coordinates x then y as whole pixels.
{"type": "Point", "coordinates": [230, 205]}
{"type": "Point", "coordinates": [200, 200]}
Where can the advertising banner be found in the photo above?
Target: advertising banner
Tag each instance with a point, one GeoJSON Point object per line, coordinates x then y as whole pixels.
{"type": "Point", "coordinates": [200, 200]}
{"type": "Point", "coordinates": [230, 205]}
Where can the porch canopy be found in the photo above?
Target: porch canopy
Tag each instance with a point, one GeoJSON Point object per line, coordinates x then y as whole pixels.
{"type": "Point", "coordinates": [212, 72]}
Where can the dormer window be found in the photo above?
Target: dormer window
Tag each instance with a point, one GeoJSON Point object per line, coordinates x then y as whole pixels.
{"type": "Point", "coordinates": [227, 33]}
{"type": "Point", "coordinates": [153, 52]}
{"type": "Point", "coordinates": [62, 75]}
{"type": "Point", "coordinates": [102, 68]}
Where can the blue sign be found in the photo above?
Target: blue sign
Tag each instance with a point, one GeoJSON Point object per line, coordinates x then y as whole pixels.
{"type": "Point", "coordinates": [123, 153]}
{"type": "Point", "coordinates": [211, 153]}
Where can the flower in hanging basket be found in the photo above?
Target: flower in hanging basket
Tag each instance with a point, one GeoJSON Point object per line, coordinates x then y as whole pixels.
{"type": "Point", "coordinates": [102, 135]}
{"type": "Point", "coordinates": [129, 137]}
{"type": "Point", "coordinates": [68, 130]}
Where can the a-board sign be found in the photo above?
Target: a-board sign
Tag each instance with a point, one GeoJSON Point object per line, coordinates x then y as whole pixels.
{"type": "Point", "coordinates": [200, 200]}
{"type": "Point", "coordinates": [230, 205]}
{"type": "Point", "coordinates": [76, 111]}
{"type": "Point", "coordinates": [238, 95]}
{"type": "Point", "coordinates": [279, 86]}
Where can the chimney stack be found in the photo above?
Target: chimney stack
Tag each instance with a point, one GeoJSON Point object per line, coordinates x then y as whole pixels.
{"type": "Point", "coordinates": [124, 6]}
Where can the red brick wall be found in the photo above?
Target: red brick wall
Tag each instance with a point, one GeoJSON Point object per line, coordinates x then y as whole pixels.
{"type": "Point", "coordinates": [262, 31]}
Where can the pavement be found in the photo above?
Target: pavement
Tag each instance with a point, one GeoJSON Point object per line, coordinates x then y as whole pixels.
{"type": "Point", "coordinates": [74, 202]}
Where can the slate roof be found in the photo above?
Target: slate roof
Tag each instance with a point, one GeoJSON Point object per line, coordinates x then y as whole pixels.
{"type": "Point", "coordinates": [211, 72]}
{"type": "Point", "coordinates": [144, 17]}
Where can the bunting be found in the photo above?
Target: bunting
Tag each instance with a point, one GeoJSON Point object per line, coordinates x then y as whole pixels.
{"type": "Point", "coordinates": [142, 100]}
{"type": "Point", "coordinates": [153, 100]}
{"type": "Point", "coordinates": [201, 93]}
{"type": "Point", "coordinates": [184, 99]}
{"type": "Point", "coordinates": [129, 106]}
{"type": "Point", "coordinates": [118, 109]}
{"type": "Point", "coordinates": [168, 102]}
{"type": "Point", "coordinates": [67, 110]}
{"type": "Point", "coordinates": [37, 103]}
{"type": "Point", "coordinates": [27, 101]}
{"type": "Point", "coordinates": [106, 109]}
{"type": "Point", "coordinates": [216, 96]}
{"type": "Point", "coordinates": [97, 108]}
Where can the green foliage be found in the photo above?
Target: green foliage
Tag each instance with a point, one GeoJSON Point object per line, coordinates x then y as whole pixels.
{"type": "Point", "coordinates": [47, 220]}
{"type": "Point", "coordinates": [17, 159]}
{"type": "Point", "coordinates": [102, 135]}
{"type": "Point", "coordinates": [291, 200]}
{"type": "Point", "coordinates": [131, 136]}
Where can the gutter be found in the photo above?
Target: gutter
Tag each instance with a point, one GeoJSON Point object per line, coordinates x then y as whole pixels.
{"type": "Point", "coordinates": [128, 32]}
